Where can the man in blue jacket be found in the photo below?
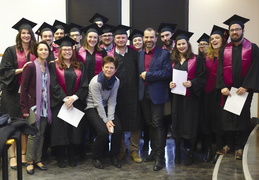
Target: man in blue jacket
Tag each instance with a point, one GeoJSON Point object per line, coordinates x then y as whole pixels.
{"type": "Point", "coordinates": [155, 72]}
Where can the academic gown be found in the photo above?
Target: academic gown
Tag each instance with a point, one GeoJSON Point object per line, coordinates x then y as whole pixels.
{"type": "Point", "coordinates": [10, 90]}
{"type": "Point", "coordinates": [185, 109]}
{"type": "Point", "coordinates": [63, 133]}
{"type": "Point", "coordinates": [230, 121]}
{"type": "Point", "coordinates": [127, 100]}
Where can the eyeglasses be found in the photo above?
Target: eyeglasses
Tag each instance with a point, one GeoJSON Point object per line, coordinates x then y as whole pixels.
{"type": "Point", "coordinates": [107, 36]}
{"type": "Point", "coordinates": [66, 50]}
{"type": "Point", "coordinates": [236, 30]}
{"type": "Point", "coordinates": [203, 44]}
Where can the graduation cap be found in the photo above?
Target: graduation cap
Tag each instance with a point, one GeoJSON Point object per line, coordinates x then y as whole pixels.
{"type": "Point", "coordinates": [24, 24]}
{"type": "Point", "coordinates": [92, 28]}
{"type": "Point", "coordinates": [60, 25]}
{"type": "Point", "coordinates": [45, 27]}
{"type": "Point", "coordinates": [74, 28]}
{"type": "Point", "coordinates": [107, 28]}
{"type": "Point", "coordinates": [120, 29]}
{"type": "Point", "coordinates": [136, 33]}
{"type": "Point", "coordinates": [204, 37]}
{"type": "Point", "coordinates": [65, 41]}
{"type": "Point", "coordinates": [98, 17]}
{"type": "Point", "coordinates": [166, 27]}
{"type": "Point", "coordinates": [224, 33]}
{"type": "Point", "coordinates": [181, 34]}
{"type": "Point", "coordinates": [236, 19]}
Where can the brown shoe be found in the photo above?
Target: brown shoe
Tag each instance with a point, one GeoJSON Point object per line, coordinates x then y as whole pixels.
{"type": "Point", "coordinates": [135, 157]}
{"type": "Point", "coordinates": [225, 150]}
{"type": "Point", "coordinates": [239, 154]}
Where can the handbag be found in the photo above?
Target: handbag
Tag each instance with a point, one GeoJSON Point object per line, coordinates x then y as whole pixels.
{"type": "Point", "coordinates": [32, 117]}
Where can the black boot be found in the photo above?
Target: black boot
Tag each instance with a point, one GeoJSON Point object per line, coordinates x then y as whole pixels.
{"type": "Point", "coordinates": [71, 155]}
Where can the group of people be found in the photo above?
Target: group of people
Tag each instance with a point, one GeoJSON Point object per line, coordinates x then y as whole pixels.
{"type": "Point", "coordinates": [117, 85]}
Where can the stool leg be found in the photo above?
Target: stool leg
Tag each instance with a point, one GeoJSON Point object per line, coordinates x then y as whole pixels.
{"type": "Point", "coordinates": [19, 159]}
{"type": "Point", "coordinates": [5, 163]}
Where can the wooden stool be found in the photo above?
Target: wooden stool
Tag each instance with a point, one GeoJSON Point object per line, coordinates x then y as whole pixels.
{"type": "Point", "coordinates": [9, 142]}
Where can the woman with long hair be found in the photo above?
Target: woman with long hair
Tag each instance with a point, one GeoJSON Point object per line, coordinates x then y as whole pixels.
{"type": "Point", "coordinates": [35, 103]}
{"type": "Point", "coordinates": [14, 60]}
{"type": "Point", "coordinates": [185, 108]}
{"type": "Point", "coordinates": [69, 85]}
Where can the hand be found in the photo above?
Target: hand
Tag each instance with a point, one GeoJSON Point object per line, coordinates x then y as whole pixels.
{"type": "Point", "coordinates": [225, 92]}
{"type": "Point", "coordinates": [187, 84]}
{"type": "Point", "coordinates": [25, 115]}
{"type": "Point", "coordinates": [69, 100]}
{"type": "Point", "coordinates": [109, 124]}
{"type": "Point", "coordinates": [241, 90]}
{"type": "Point", "coordinates": [143, 75]}
{"type": "Point", "coordinates": [172, 84]}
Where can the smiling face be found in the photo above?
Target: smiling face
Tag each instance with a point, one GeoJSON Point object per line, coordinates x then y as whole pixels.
{"type": "Point", "coordinates": [107, 38]}
{"type": "Point", "coordinates": [42, 51]}
{"type": "Point", "coordinates": [120, 40]}
{"type": "Point", "coordinates": [47, 36]}
{"type": "Point", "coordinates": [67, 52]}
{"type": "Point", "coordinates": [166, 38]}
{"type": "Point", "coordinates": [149, 39]}
{"type": "Point", "coordinates": [92, 39]}
{"type": "Point", "coordinates": [182, 46]}
{"type": "Point", "coordinates": [109, 70]}
{"type": "Point", "coordinates": [25, 36]}
{"type": "Point", "coordinates": [216, 41]}
{"type": "Point", "coordinates": [137, 43]}
{"type": "Point", "coordinates": [236, 33]}
{"type": "Point", "coordinates": [60, 33]}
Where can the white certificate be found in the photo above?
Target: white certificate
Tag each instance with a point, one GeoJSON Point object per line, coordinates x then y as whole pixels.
{"type": "Point", "coordinates": [235, 102]}
{"type": "Point", "coordinates": [178, 77]}
{"type": "Point", "coordinates": [71, 116]}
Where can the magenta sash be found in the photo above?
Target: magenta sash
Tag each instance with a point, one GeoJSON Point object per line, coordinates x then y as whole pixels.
{"type": "Point", "coordinates": [55, 50]}
{"type": "Point", "coordinates": [191, 71]}
{"type": "Point", "coordinates": [227, 63]}
{"type": "Point", "coordinates": [111, 52]}
{"type": "Point", "coordinates": [21, 60]}
{"type": "Point", "coordinates": [98, 59]}
{"type": "Point", "coordinates": [211, 67]}
{"type": "Point", "coordinates": [60, 73]}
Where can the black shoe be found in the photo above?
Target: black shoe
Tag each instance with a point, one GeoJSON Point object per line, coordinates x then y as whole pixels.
{"type": "Point", "coordinates": [115, 162]}
{"type": "Point", "coordinates": [98, 164]}
{"type": "Point", "coordinates": [62, 163]}
{"type": "Point", "coordinates": [43, 168]}
{"type": "Point", "coordinates": [189, 160]}
{"type": "Point", "coordinates": [30, 171]}
{"type": "Point", "coordinates": [149, 158]}
{"type": "Point", "coordinates": [159, 164]}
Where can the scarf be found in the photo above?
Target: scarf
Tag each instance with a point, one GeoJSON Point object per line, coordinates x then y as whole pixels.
{"type": "Point", "coordinates": [39, 91]}
{"type": "Point", "coordinates": [106, 84]}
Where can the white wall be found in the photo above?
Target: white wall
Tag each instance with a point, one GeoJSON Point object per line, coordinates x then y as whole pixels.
{"type": "Point", "coordinates": [38, 11]}
{"type": "Point", "coordinates": [203, 14]}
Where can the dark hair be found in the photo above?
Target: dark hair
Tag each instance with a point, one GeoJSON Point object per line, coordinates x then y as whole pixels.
{"type": "Point", "coordinates": [36, 45]}
{"type": "Point", "coordinates": [151, 29]}
{"type": "Point", "coordinates": [110, 59]}
{"type": "Point", "coordinates": [19, 40]}
{"type": "Point", "coordinates": [175, 56]}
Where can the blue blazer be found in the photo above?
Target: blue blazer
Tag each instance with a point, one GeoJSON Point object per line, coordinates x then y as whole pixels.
{"type": "Point", "coordinates": [158, 76]}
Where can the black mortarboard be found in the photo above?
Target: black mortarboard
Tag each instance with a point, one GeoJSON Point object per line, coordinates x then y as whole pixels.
{"type": "Point", "coordinates": [224, 33]}
{"type": "Point", "coordinates": [166, 27]}
{"type": "Point", "coordinates": [74, 28]}
{"type": "Point", "coordinates": [60, 25]}
{"type": "Point", "coordinates": [65, 41]}
{"type": "Point", "coordinates": [135, 33]}
{"type": "Point", "coordinates": [204, 37]}
{"type": "Point", "coordinates": [45, 27]}
{"type": "Point", "coordinates": [120, 29]}
{"type": "Point", "coordinates": [98, 17]}
{"type": "Point", "coordinates": [24, 24]}
{"type": "Point", "coordinates": [181, 34]}
{"type": "Point", "coordinates": [107, 28]}
{"type": "Point", "coordinates": [92, 28]}
{"type": "Point", "coordinates": [236, 19]}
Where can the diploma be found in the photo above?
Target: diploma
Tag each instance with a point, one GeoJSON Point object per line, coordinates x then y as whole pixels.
{"type": "Point", "coordinates": [178, 77]}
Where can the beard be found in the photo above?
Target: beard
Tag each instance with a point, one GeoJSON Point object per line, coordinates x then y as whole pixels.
{"type": "Point", "coordinates": [238, 39]}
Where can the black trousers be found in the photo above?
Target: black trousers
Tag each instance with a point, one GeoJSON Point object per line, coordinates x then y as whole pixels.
{"type": "Point", "coordinates": [153, 115]}
{"type": "Point", "coordinates": [102, 134]}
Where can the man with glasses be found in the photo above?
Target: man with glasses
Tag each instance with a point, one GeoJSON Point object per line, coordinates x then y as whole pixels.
{"type": "Point", "coordinates": [75, 33]}
{"type": "Point", "coordinates": [203, 43]}
{"type": "Point", "coordinates": [107, 39]}
{"type": "Point", "coordinates": [237, 68]}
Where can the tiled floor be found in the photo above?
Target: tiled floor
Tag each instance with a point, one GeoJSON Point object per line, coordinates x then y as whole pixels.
{"type": "Point", "coordinates": [131, 170]}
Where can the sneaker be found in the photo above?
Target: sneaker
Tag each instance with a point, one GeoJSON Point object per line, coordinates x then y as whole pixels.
{"type": "Point", "coordinates": [135, 157]}
{"type": "Point", "coordinates": [225, 150]}
{"type": "Point", "coordinates": [239, 154]}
